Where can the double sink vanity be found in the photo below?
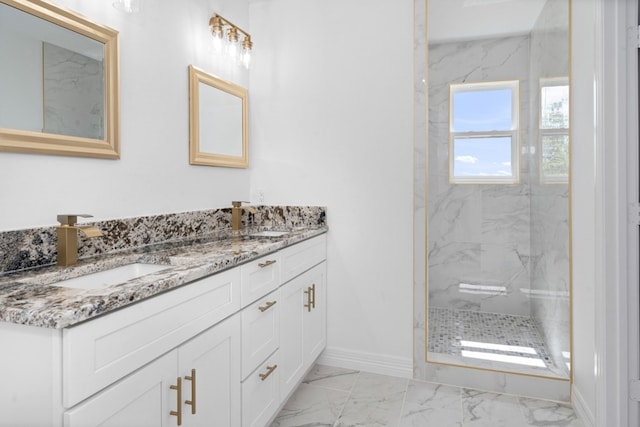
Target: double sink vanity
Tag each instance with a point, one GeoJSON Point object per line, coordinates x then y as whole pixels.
{"type": "Point", "coordinates": [217, 330]}
{"type": "Point", "coordinates": [171, 319]}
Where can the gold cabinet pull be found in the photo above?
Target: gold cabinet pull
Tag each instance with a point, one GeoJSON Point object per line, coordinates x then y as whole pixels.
{"type": "Point", "coordinates": [267, 263]}
{"type": "Point", "coordinates": [313, 296]}
{"type": "Point", "coordinates": [267, 306]}
{"type": "Point", "coordinates": [178, 388]}
{"type": "Point", "coordinates": [270, 370]}
{"type": "Point", "coordinates": [308, 304]}
{"type": "Point", "coordinates": [192, 402]}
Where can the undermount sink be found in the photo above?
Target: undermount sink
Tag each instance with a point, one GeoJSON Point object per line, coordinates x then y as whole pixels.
{"type": "Point", "coordinates": [113, 276]}
{"type": "Point", "coordinates": [269, 233]}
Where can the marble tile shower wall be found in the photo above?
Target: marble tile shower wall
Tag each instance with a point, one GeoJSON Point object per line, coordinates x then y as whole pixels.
{"type": "Point", "coordinates": [34, 247]}
{"type": "Point", "coordinates": [477, 234]}
{"type": "Point", "coordinates": [419, 186]}
{"type": "Point", "coordinates": [75, 109]}
{"type": "Point", "coordinates": [549, 202]}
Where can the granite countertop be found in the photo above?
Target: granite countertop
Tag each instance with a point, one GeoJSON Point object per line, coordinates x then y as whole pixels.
{"type": "Point", "coordinates": [29, 298]}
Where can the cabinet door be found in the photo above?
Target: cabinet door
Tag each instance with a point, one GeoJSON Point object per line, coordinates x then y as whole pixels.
{"type": "Point", "coordinates": [292, 296]}
{"type": "Point", "coordinates": [210, 369]}
{"type": "Point", "coordinates": [143, 399]}
{"type": "Point", "coordinates": [315, 320]}
{"type": "Point", "coordinates": [302, 326]}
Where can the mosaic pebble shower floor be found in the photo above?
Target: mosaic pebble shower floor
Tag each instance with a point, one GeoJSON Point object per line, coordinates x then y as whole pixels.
{"type": "Point", "coordinates": [491, 340]}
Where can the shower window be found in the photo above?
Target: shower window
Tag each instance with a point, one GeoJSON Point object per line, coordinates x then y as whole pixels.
{"type": "Point", "coordinates": [554, 130]}
{"type": "Point", "coordinates": [483, 133]}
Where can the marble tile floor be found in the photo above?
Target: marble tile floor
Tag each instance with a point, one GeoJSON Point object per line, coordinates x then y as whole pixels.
{"type": "Point", "coordinates": [336, 397]}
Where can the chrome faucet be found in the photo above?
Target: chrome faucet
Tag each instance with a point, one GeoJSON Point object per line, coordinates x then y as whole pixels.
{"type": "Point", "coordinates": [67, 233]}
{"type": "Point", "coordinates": [236, 214]}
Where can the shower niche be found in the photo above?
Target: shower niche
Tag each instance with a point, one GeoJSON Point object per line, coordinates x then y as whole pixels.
{"type": "Point", "coordinates": [497, 186]}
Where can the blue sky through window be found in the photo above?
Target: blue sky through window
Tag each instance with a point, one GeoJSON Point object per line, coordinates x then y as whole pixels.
{"type": "Point", "coordinates": [482, 110]}
{"type": "Point", "coordinates": [484, 130]}
{"type": "Point", "coordinates": [482, 157]}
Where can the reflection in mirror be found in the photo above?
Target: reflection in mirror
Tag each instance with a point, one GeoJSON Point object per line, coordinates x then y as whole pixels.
{"type": "Point", "coordinates": [218, 121]}
{"type": "Point", "coordinates": [73, 94]}
{"type": "Point", "coordinates": [59, 84]}
{"type": "Point", "coordinates": [498, 186]}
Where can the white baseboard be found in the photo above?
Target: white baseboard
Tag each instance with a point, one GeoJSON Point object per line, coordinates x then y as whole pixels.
{"type": "Point", "coordinates": [581, 408]}
{"type": "Point", "coordinates": [368, 362]}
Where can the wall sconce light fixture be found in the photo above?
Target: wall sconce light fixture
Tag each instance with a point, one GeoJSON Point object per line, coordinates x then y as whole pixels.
{"type": "Point", "coordinates": [218, 24]}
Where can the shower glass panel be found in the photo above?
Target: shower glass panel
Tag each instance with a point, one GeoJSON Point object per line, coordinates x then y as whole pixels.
{"type": "Point", "coordinates": [498, 281]}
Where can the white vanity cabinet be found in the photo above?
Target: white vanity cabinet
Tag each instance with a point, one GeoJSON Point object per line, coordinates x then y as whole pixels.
{"type": "Point", "coordinates": [224, 350]}
{"type": "Point", "coordinates": [194, 385]}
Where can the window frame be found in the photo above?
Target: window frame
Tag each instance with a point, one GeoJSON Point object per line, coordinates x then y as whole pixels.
{"type": "Point", "coordinates": [513, 133]}
{"type": "Point", "coordinates": [542, 132]}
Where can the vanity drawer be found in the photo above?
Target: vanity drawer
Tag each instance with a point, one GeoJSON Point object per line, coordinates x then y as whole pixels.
{"type": "Point", "coordinates": [300, 257]}
{"type": "Point", "coordinates": [260, 331]}
{"type": "Point", "coordinates": [99, 352]}
{"type": "Point", "coordinates": [259, 277]}
{"type": "Point", "coordinates": [261, 393]}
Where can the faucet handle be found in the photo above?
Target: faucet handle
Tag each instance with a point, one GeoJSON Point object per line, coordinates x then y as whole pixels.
{"type": "Point", "coordinates": [71, 219]}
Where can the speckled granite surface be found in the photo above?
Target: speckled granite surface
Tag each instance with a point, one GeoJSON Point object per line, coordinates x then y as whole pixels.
{"type": "Point", "coordinates": [27, 296]}
{"type": "Point", "coordinates": [35, 247]}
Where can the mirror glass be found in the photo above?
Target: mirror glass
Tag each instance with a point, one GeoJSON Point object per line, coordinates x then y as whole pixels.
{"type": "Point", "coordinates": [218, 121]}
{"type": "Point", "coordinates": [498, 264]}
{"type": "Point", "coordinates": [59, 83]}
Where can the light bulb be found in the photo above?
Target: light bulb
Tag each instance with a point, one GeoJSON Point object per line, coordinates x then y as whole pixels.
{"type": "Point", "coordinates": [246, 51]}
{"type": "Point", "coordinates": [217, 43]}
{"type": "Point", "coordinates": [232, 50]}
{"type": "Point", "coordinates": [246, 58]}
{"type": "Point", "coordinates": [233, 43]}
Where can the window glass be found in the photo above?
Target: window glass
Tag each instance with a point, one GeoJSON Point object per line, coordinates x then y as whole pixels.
{"type": "Point", "coordinates": [483, 137]}
{"type": "Point", "coordinates": [554, 130]}
{"type": "Point", "coordinates": [482, 157]}
{"type": "Point", "coordinates": [555, 156]}
{"type": "Point", "coordinates": [555, 107]}
{"type": "Point", "coordinates": [482, 110]}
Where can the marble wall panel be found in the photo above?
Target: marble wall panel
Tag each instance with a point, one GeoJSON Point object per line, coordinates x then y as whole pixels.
{"type": "Point", "coordinates": [73, 93]}
{"type": "Point", "coordinates": [491, 219]}
{"type": "Point", "coordinates": [450, 264]}
{"type": "Point", "coordinates": [420, 159]}
{"type": "Point", "coordinates": [549, 202]}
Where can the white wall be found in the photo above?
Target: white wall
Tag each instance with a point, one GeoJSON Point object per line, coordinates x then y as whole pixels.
{"type": "Point", "coordinates": [332, 101]}
{"type": "Point", "coordinates": [153, 175]}
{"type": "Point", "coordinates": [583, 201]}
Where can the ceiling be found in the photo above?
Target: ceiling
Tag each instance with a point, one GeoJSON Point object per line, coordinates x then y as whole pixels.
{"type": "Point", "coordinates": [451, 20]}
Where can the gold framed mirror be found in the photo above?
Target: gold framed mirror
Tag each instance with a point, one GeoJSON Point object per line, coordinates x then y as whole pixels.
{"type": "Point", "coordinates": [218, 121]}
{"type": "Point", "coordinates": [60, 83]}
